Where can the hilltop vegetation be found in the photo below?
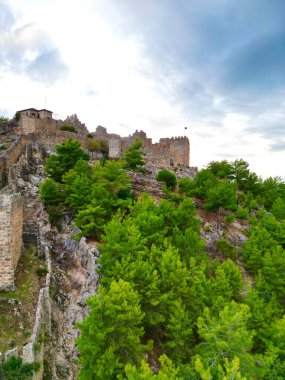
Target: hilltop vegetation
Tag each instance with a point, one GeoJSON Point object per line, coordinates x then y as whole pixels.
{"type": "Point", "coordinates": [165, 309]}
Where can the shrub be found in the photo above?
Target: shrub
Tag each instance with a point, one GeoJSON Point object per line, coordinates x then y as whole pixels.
{"type": "Point", "coordinates": [104, 147]}
{"type": "Point", "coordinates": [89, 136]}
{"type": "Point", "coordinates": [93, 145]}
{"type": "Point", "coordinates": [242, 213]}
{"type": "Point", "coordinates": [225, 248]}
{"type": "Point", "coordinates": [37, 347]}
{"type": "Point", "coordinates": [55, 215]}
{"type": "Point", "coordinates": [51, 192]}
{"type": "Point", "coordinates": [230, 219]}
{"type": "Point", "coordinates": [14, 368]}
{"type": "Point", "coordinates": [41, 272]}
{"type": "Point", "coordinates": [68, 128]}
{"type": "Point", "coordinates": [3, 119]}
{"type": "Point", "coordinates": [186, 186]}
{"type": "Point", "coordinates": [168, 178]}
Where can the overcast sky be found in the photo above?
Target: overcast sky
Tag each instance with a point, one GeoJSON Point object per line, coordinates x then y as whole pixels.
{"type": "Point", "coordinates": [216, 67]}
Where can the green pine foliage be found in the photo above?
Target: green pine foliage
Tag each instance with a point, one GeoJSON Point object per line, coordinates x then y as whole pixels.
{"type": "Point", "coordinates": [111, 334]}
{"type": "Point", "coordinates": [134, 157]}
{"type": "Point", "coordinates": [163, 302]}
{"type": "Point", "coordinates": [168, 178]}
{"type": "Point", "coordinates": [67, 154]}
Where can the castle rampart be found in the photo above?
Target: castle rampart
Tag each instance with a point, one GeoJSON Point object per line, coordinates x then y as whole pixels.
{"type": "Point", "coordinates": [11, 230]}
{"type": "Point", "coordinates": [11, 156]}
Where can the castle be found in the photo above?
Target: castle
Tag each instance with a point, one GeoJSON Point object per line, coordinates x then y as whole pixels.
{"type": "Point", "coordinates": [167, 152]}
{"type": "Point", "coordinates": [38, 126]}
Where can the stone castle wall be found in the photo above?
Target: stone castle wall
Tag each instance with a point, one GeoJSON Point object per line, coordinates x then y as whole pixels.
{"type": "Point", "coordinates": [11, 231]}
{"type": "Point", "coordinates": [53, 138]}
{"type": "Point", "coordinates": [11, 156]}
{"type": "Point", "coordinates": [30, 124]}
{"type": "Point", "coordinates": [176, 149]}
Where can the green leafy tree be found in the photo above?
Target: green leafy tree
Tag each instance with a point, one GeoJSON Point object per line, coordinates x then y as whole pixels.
{"type": "Point", "coordinates": [51, 193]}
{"type": "Point", "coordinates": [3, 119]}
{"type": "Point", "coordinates": [226, 284]}
{"type": "Point", "coordinates": [166, 372]}
{"type": "Point", "coordinates": [111, 334]}
{"type": "Point", "coordinates": [134, 157]}
{"type": "Point", "coordinates": [168, 178]}
{"type": "Point", "coordinates": [278, 208]}
{"type": "Point", "coordinates": [179, 332]}
{"type": "Point", "coordinates": [90, 221]}
{"type": "Point", "coordinates": [226, 337]}
{"type": "Point", "coordinates": [222, 195]}
{"type": "Point", "coordinates": [186, 186]}
{"type": "Point", "coordinates": [221, 170]}
{"type": "Point", "coordinates": [230, 370]}
{"type": "Point", "coordinates": [272, 188]}
{"type": "Point", "coordinates": [204, 181]}
{"type": "Point", "coordinates": [67, 155]}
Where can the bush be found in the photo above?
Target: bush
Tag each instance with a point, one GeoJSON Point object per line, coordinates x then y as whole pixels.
{"type": "Point", "coordinates": [168, 178]}
{"type": "Point", "coordinates": [230, 219]}
{"type": "Point", "coordinates": [104, 147]}
{"type": "Point", "coordinates": [15, 369]}
{"type": "Point", "coordinates": [55, 215]}
{"type": "Point", "coordinates": [93, 145]}
{"type": "Point", "coordinates": [68, 128]}
{"type": "Point", "coordinates": [3, 119]}
{"type": "Point", "coordinates": [42, 272]}
{"type": "Point", "coordinates": [225, 248]}
{"type": "Point", "coordinates": [242, 213]}
{"type": "Point", "coordinates": [51, 193]}
{"type": "Point", "coordinates": [186, 186]}
{"type": "Point", "coordinates": [89, 136]}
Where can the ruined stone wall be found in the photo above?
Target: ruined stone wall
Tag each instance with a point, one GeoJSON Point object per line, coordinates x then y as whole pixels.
{"type": "Point", "coordinates": [101, 134]}
{"type": "Point", "coordinates": [158, 160]}
{"type": "Point", "coordinates": [7, 127]}
{"type": "Point", "coordinates": [45, 125]}
{"type": "Point", "coordinates": [11, 156]}
{"type": "Point", "coordinates": [175, 149]}
{"type": "Point", "coordinates": [58, 137]}
{"type": "Point", "coordinates": [115, 148]}
{"type": "Point", "coordinates": [73, 120]}
{"type": "Point", "coordinates": [11, 230]}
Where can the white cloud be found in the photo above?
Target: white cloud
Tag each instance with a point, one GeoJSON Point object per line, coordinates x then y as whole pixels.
{"type": "Point", "coordinates": [113, 81]}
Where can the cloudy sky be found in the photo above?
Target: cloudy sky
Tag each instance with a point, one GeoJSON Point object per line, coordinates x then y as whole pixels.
{"type": "Point", "coordinates": [214, 66]}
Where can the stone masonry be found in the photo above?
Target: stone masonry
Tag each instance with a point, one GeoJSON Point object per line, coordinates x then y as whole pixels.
{"type": "Point", "coordinates": [175, 150]}
{"type": "Point", "coordinates": [11, 230]}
